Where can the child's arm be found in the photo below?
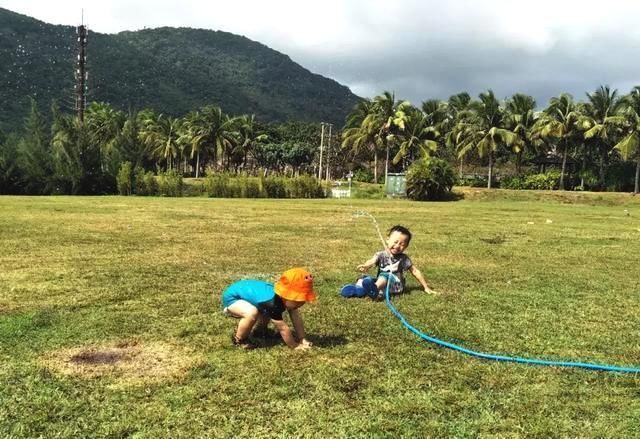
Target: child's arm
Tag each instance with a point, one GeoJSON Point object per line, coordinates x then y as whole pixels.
{"type": "Point", "coordinates": [418, 275]}
{"type": "Point", "coordinates": [287, 336]}
{"type": "Point", "coordinates": [296, 319]}
{"type": "Point", "coordinates": [370, 263]}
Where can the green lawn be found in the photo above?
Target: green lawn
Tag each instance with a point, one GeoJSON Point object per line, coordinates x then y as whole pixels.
{"type": "Point", "coordinates": [110, 324]}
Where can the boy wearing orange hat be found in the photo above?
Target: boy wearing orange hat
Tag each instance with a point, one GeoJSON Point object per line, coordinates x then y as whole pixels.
{"type": "Point", "coordinates": [256, 301]}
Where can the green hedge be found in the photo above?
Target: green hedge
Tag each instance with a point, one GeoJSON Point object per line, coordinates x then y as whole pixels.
{"type": "Point", "coordinates": [547, 181]}
{"type": "Point", "coordinates": [231, 186]}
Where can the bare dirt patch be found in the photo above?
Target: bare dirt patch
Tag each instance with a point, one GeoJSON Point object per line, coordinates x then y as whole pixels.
{"type": "Point", "coordinates": [127, 363]}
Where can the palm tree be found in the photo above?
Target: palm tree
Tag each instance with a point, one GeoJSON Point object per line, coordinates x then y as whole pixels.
{"type": "Point", "coordinates": [521, 118]}
{"type": "Point", "coordinates": [388, 120]}
{"type": "Point", "coordinates": [75, 159]}
{"type": "Point", "coordinates": [558, 121]}
{"type": "Point", "coordinates": [421, 131]}
{"type": "Point", "coordinates": [249, 136]}
{"type": "Point", "coordinates": [361, 137]}
{"type": "Point", "coordinates": [600, 122]}
{"type": "Point", "coordinates": [104, 126]}
{"type": "Point", "coordinates": [191, 124]}
{"type": "Point", "coordinates": [482, 128]}
{"type": "Point", "coordinates": [160, 135]}
{"type": "Point", "coordinates": [457, 105]}
{"type": "Point", "coordinates": [629, 146]}
{"type": "Point", "coordinates": [216, 132]}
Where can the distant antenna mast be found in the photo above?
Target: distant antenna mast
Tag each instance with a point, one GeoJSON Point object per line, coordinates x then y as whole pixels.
{"type": "Point", "coordinates": [81, 70]}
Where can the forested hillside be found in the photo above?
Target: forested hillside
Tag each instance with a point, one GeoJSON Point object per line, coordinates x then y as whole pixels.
{"type": "Point", "coordinates": [170, 70]}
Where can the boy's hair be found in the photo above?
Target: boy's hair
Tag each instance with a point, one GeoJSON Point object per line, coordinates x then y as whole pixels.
{"type": "Point", "coordinates": [401, 229]}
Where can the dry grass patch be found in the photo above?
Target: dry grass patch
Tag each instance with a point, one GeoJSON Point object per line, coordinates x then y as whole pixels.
{"type": "Point", "coordinates": [6, 308]}
{"type": "Point", "coordinates": [128, 363]}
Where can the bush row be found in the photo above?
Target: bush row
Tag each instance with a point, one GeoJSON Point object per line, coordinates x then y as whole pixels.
{"type": "Point", "coordinates": [170, 184]}
{"type": "Point", "coordinates": [547, 181]}
{"type": "Point", "coordinates": [136, 181]}
{"type": "Point", "coordinates": [227, 186]}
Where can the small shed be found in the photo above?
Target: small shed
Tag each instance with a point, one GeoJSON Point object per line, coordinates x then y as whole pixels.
{"type": "Point", "coordinates": [396, 185]}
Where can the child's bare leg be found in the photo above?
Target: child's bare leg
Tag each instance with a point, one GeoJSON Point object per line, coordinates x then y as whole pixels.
{"type": "Point", "coordinates": [381, 284]}
{"type": "Point", "coordinates": [247, 313]}
{"type": "Point", "coordinates": [261, 324]}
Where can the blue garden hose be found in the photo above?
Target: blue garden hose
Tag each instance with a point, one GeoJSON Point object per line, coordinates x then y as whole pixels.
{"type": "Point", "coordinates": [485, 356]}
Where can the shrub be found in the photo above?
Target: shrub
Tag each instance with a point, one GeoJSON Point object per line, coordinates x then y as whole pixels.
{"type": "Point", "coordinates": [304, 186]}
{"type": "Point", "coordinates": [547, 181]}
{"type": "Point", "coordinates": [430, 179]}
{"type": "Point", "coordinates": [138, 182]}
{"type": "Point", "coordinates": [170, 184]}
{"type": "Point", "coordinates": [244, 187]}
{"type": "Point", "coordinates": [151, 184]}
{"type": "Point", "coordinates": [476, 181]}
{"type": "Point", "coordinates": [363, 175]}
{"type": "Point", "coordinates": [219, 186]}
{"type": "Point", "coordinates": [227, 186]}
{"type": "Point", "coordinates": [513, 182]}
{"type": "Point", "coordinates": [124, 180]}
{"type": "Point", "coordinates": [275, 187]}
{"type": "Point", "coordinates": [252, 189]}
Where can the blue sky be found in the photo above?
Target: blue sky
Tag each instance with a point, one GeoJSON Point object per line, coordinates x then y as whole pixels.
{"type": "Point", "coordinates": [417, 49]}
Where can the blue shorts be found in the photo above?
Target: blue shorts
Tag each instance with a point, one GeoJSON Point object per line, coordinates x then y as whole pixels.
{"type": "Point", "coordinates": [389, 276]}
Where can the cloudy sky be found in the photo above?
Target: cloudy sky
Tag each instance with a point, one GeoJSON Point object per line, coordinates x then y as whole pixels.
{"type": "Point", "coordinates": [418, 49]}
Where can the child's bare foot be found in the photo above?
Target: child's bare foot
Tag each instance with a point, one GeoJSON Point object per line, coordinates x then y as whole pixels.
{"type": "Point", "coordinates": [244, 344]}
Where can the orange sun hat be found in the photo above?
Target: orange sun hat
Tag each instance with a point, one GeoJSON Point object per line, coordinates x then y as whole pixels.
{"type": "Point", "coordinates": [296, 284]}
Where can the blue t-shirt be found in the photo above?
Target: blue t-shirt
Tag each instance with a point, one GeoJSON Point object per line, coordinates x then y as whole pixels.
{"type": "Point", "coordinates": [258, 293]}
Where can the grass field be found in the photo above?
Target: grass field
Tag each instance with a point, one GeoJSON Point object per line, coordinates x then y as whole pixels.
{"type": "Point", "coordinates": [110, 323]}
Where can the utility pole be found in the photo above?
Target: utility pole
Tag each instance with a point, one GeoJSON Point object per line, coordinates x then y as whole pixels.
{"type": "Point", "coordinates": [321, 145]}
{"type": "Point", "coordinates": [81, 71]}
{"type": "Point", "coordinates": [328, 152]}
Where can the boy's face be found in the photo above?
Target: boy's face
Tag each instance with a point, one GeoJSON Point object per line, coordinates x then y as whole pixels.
{"type": "Point", "coordinates": [397, 242]}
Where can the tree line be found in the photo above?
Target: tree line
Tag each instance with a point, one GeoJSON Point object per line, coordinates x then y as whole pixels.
{"type": "Point", "coordinates": [60, 154]}
{"type": "Point", "coordinates": [601, 133]}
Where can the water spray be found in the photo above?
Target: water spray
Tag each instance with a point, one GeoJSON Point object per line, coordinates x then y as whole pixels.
{"type": "Point", "coordinates": [363, 213]}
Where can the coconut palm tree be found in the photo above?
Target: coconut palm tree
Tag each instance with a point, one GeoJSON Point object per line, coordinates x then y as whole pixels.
{"type": "Point", "coordinates": [249, 136]}
{"type": "Point", "coordinates": [600, 123]}
{"type": "Point", "coordinates": [160, 135]}
{"type": "Point", "coordinates": [191, 124]}
{"type": "Point", "coordinates": [387, 120]}
{"type": "Point", "coordinates": [76, 159]}
{"type": "Point", "coordinates": [421, 132]}
{"type": "Point", "coordinates": [629, 146]}
{"type": "Point", "coordinates": [216, 132]}
{"type": "Point", "coordinates": [559, 121]}
{"type": "Point", "coordinates": [482, 128]}
{"type": "Point", "coordinates": [457, 105]}
{"type": "Point", "coordinates": [520, 119]}
{"type": "Point", "coordinates": [360, 137]}
{"type": "Point", "coordinates": [104, 126]}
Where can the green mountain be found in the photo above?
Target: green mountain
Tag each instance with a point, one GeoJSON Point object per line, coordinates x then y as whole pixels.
{"type": "Point", "coordinates": [171, 70]}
